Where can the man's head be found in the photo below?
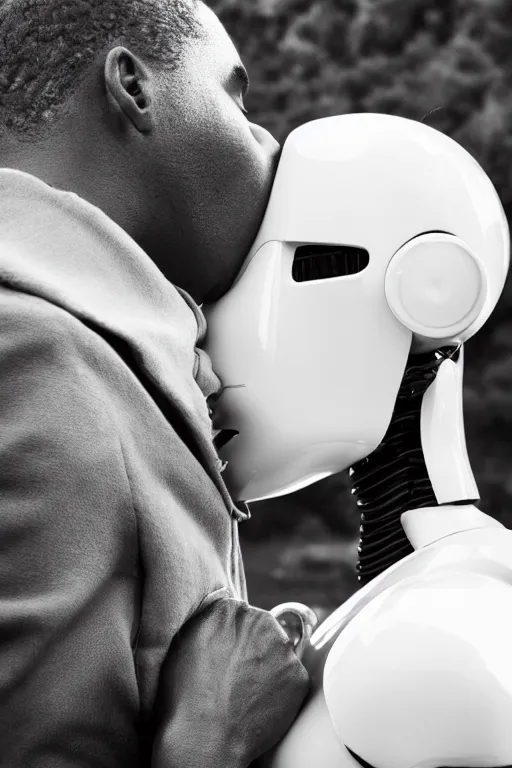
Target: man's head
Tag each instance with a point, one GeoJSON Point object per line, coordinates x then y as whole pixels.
{"type": "Point", "coordinates": [137, 106]}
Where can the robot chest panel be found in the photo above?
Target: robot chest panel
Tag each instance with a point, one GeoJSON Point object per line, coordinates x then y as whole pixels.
{"type": "Point", "coordinates": [484, 555]}
{"type": "Point", "coordinates": [487, 552]}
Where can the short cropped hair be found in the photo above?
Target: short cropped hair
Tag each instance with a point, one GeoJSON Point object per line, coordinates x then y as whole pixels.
{"type": "Point", "coordinates": [46, 46]}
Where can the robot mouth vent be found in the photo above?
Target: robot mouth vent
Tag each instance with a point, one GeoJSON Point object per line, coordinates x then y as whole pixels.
{"type": "Point", "coordinates": [223, 438]}
{"type": "Point", "coordinates": [320, 262]}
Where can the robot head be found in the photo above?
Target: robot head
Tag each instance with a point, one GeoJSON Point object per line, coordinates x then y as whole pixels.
{"type": "Point", "coordinates": [380, 233]}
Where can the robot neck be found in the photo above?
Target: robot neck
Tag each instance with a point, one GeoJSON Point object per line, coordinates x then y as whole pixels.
{"type": "Point", "coordinates": [421, 462]}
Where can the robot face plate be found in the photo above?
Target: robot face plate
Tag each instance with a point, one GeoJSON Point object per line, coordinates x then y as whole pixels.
{"type": "Point", "coordinates": [298, 410]}
{"type": "Point", "coordinates": [311, 368]}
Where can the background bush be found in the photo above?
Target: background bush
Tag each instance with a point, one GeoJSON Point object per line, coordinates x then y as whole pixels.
{"type": "Point", "coordinates": [313, 58]}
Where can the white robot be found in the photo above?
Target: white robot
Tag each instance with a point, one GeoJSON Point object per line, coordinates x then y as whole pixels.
{"type": "Point", "coordinates": [383, 249]}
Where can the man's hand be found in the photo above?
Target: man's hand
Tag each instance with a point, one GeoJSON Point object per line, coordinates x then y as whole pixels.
{"type": "Point", "coordinates": [298, 621]}
{"type": "Point", "coordinates": [230, 689]}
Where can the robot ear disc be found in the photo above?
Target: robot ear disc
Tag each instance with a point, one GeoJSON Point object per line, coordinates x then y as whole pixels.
{"type": "Point", "coordinates": [436, 286]}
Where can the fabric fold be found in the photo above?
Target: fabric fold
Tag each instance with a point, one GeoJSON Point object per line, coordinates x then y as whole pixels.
{"type": "Point", "coordinates": [55, 245]}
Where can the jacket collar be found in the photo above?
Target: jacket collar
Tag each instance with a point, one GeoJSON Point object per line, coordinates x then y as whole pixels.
{"type": "Point", "coordinates": [55, 245]}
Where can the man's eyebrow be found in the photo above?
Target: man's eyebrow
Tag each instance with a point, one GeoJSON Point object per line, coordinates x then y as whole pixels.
{"type": "Point", "coordinates": [239, 73]}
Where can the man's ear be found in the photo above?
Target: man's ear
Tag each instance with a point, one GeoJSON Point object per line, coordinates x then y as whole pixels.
{"type": "Point", "coordinates": [128, 87]}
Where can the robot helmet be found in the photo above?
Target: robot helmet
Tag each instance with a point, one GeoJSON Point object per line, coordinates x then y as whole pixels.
{"type": "Point", "coordinates": [381, 236]}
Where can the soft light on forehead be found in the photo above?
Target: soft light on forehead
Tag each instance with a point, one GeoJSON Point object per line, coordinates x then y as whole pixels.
{"type": "Point", "coordinates": [222, 53]}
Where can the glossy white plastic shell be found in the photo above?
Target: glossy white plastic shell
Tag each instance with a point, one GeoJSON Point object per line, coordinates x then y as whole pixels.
{"type": "Point", "coordinates": [311, 369]}
{"type": "Point", "coordinates": [414, 668]}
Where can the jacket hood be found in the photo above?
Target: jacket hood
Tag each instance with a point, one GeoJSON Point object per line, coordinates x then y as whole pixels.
{"type": "Point", "coordinates": [57, 246]}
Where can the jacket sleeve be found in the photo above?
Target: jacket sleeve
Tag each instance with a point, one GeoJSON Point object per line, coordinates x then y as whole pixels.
{"type": "Point", "coordinates": [229, 690]}
{"type": "Point", "coordinates": [68, 692]}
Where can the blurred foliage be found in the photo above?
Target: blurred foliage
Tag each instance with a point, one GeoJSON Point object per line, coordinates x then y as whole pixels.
{"type": "Point", "coordinates": [313, 58]}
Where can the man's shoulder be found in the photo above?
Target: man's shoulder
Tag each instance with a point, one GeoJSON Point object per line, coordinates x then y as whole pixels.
{"type": "Point", "coordinates": [35, 316]}
{"type": "Point", "coordinates": [46, 351]}
{"type": "Point", "coordinates": [47, 334]}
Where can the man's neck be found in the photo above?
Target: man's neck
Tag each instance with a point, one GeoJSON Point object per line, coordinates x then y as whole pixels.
{"type": "Point", "coordinates": [66, 160]}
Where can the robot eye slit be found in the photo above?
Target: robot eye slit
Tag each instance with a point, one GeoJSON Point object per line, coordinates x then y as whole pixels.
{"type": "Point", "coordinates": [321, 262]}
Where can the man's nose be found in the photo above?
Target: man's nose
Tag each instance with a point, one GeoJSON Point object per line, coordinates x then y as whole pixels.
{"type": "Point", "coordinates": [267, 141]}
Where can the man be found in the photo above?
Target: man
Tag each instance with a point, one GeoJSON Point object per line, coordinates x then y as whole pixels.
{"type": "Point", "coordinates": [131, 188]}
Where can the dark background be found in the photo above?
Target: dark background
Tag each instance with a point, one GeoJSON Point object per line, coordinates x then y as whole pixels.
{"type": "Point", "coordinates": [313, 58]}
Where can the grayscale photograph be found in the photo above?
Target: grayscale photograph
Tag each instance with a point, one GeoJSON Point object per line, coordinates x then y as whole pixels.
{"type": "Point", "coordinates": [255, 384]}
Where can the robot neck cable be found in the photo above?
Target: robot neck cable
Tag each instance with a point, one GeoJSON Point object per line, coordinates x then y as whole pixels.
{"type": "Point", "coordinates": [394, 478]}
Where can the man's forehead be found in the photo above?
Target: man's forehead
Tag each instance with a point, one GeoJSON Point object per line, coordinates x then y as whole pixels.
{"type": "Point", "coordinates": [222, 52]}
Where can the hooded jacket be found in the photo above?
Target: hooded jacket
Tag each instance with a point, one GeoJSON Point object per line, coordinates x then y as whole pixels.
{"type": "Point", "coordinates": [126, 638]}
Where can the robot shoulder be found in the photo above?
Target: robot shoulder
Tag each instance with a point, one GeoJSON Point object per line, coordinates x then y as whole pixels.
{"type": "Point", "coordinates": [422, 676]}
